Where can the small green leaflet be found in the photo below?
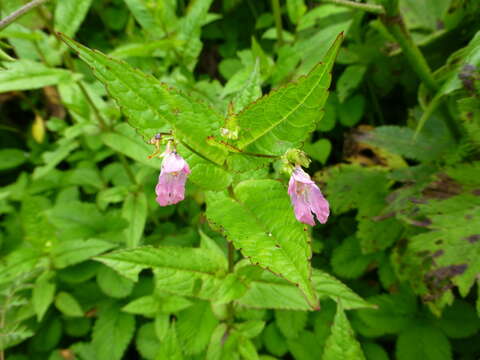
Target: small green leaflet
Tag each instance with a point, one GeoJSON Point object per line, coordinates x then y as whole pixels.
{"type": "Point", "coordinates": [342, 343]}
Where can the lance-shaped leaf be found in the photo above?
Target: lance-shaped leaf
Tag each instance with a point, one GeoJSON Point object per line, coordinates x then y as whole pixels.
{"type": "Point", "coordinates": [285, 117]}
{"type": "Point", "coordinates": [267, 291]}
{"type": "Point", "coordinates": [260, 222]}
{"type": "Point", "coordinates": [178, 270]}
{"type": "Point", "coordinates": [151, 106]}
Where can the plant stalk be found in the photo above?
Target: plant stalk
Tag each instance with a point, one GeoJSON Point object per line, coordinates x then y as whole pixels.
{"type": "Point", "coordinates": [277, 13]}
{"type": "Point", "coordinates": [20, 12]}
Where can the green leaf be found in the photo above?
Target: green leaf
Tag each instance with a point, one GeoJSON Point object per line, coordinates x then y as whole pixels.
{"type": "Point", "coordinates": [195, 326]}
{"type": "Point", "coordinates": [251, 91]}
{"type": "Point", "coordinates": [12, 336]}
{"type": "Point", "coordinates": [55, 157]}
{"type": "Point", "coordinates": [459, 320]}
{"type": "Point", "coordinates": [11, 158]}
{"type": "Point", "coordinates": [69, 15]}
{"type": "Point", "coordinates": [374, 351]}
{"type": "Point", "coordinates": [305, 346]}
{"type": "Point", "coordinates": [394, 313]}
{"type": "Point", "coordinates": [319, 150]}
{"type": "Point", "coordinates": [182, 271]}
{"type": "Point", "coordinates": [400, 140]}
{"type": "Point", "coordinates": [290, 323]}
{"type": "Point", "coordinates": [342, 343]}
{"type": "Point", "coordinates": [247, 349]}
{"type": "Point", "coordinates": [453, 237]}
{"type": "Point", "coordinates": [348, 261]}
{"type": "Point", "coordinates": [145, 305]}
{"type": "Point", "coordinates": [126, 141]}
{"type": "Point", "coordinates": [37, 228]}
{"type": "Point", "coordinates": [143, 14]}
{"type": "Point", "coordinates": [43, 293]}
{"type": "Point", "coordinates": [295, 10]}
{"type": "Point", "coordinates": [150, 105]}
{"type": "Point", "coordinates": [327, 285]}
{"type": "Point", "coordinates": [113, 284]}
{"type": "Point", "coordinates": [284, 118]}
{"type": "Point", "coordinates": [250, 329]}
{"type": "Point", "coordinates": [147, 341]}
{"type": "Point", "coordinates": [274, 341]}
{"type": "Point", "coordinates": [261, 223]}
{"type": "Point", "coordinates": [112, 333]}
{"type": "Point", "coordinates": [170, 348]}
{"type": "Point", "coordinates": [352, 110]}
{"type": "Point", "coordinates": [67, 253]}
{"type": "Point", "coordinates": [135, 210]}
{"type": "Point", "coordinates": [29, 75]}
{"type": "Point", "coordinates": [68, 305]}
{"type": "Point", "coordinates": [423, 342]}
{"type": "Point", "coordinates": [349, 81]}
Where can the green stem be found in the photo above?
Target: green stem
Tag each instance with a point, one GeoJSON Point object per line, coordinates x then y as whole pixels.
{"type": "Point", "coordinates": [101, 120]}
{"type": "Point", "coordinates": [394, 23]}
{"type": "Point", "coordinates": [277, 13]}
{"type": "Point", "coordinates": [20, 12]}
{"type": "Point", "coordinates": [371, 8]}
{"type": "Point", "coordinates": [127, 168]}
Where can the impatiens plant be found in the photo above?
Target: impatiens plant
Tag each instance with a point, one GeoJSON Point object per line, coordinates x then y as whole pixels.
{"type": "Point", "coordinates": [239, 180]}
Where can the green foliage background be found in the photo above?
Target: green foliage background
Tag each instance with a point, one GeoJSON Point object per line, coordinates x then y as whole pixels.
{"type": "Point", "coordinates": [382, 95]}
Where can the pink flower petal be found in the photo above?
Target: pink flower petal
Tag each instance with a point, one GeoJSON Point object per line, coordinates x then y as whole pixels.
{"type": "Point", "coordinates": [307, 198]}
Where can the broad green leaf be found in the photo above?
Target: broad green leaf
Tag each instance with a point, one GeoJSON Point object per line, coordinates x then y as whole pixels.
{"type": "Point", "coordinates": [195, 326]}
{"type": "Point", "coordinates": [151, 105]}
{"type": "Point", "coordinates": [11, 158]}
{"type": "Point", "coordinates": [319, 150]}
{"type": "Point", "coordinates": [260, 222]}
{"type": "Point", "coordinates": [423, 342]}
{"type": "Point", "coordinates": [374, 351]}
{"type": "Point", "coordinates": [112, 333]}
{"type": "Point", "coordinates": [342, 343]}
{"type": "Point", "coordinates": [250, 329]}
{"type": "Point", "coordinates": [181, 271]}
{"type": "Point", "coordinates": [284, 118]}
{"type": "Point", "coordinates": [69, 15]}
{"type": "Point", "coordinates": [267, 291]}
{"type": "Point", "coordinates": [43, 293]}
{"type": "Point", "coordinates": [135, 212]}
{"type": "Point", "coordinates": [29, 75]}
{"type": "Point", "coordinates": [68, 305]}
{"type": "Point", "coordinates": [348, 261]}
{"type": "Point", "coordinates": [67, 253]}
{"type": "Point", "coordinates": [144, 49]}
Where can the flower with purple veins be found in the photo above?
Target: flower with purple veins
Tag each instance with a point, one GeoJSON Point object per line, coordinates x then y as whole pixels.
{"type": "Point", "coordinates": [173, 176]}
{"type": "Point", "coordinates": [307, 198]}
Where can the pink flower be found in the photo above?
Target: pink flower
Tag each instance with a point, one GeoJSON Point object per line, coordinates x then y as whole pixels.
{"type": "Point", "coordinates": [307, 198]}
{"type": "Point", "coordinates": [171, 182]}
